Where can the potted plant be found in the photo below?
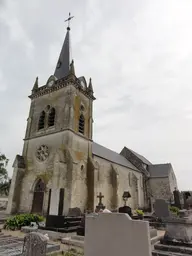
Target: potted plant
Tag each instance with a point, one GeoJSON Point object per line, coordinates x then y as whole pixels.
{"type": "Point", "coordinates": [140, 214]}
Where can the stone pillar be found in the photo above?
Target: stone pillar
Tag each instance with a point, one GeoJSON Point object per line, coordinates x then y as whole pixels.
{"type": "Point", "coordinates": [15, 189]}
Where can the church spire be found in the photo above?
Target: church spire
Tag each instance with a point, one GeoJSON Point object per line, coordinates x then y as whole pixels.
{"type": "Point", "coordinates": [63, 64]}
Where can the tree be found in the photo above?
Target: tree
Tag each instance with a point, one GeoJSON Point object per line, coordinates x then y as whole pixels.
{"type": "Point", "coordinates": [5, 181]}
{"type": "Point", "coordinates": [5, 186]}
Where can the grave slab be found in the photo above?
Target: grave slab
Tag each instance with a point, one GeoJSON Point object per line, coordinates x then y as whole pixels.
{"type": "Point", "coordinates": [116, 234]}
{"type": "Point", "coordinates": [78, 241]}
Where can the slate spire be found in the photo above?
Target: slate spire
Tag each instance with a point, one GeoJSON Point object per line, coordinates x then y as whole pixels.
{"type": "Point", "coordinates": [63, 64]}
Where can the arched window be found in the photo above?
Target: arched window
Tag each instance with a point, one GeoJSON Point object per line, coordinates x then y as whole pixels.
{"type": "Point", "coordinates": [51, 118]}
{"type": "Point", "coordinates": [40, 186]}
{"type": "Point", "coordinates": [41, 123]}
{"type": "Point", "coordinates": [81, 123]}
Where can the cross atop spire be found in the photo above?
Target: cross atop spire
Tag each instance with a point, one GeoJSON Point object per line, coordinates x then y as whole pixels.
{"type": "Point", "coordinates": [69, 20]}
{"type": "Point", "coordinates": [64, 61]}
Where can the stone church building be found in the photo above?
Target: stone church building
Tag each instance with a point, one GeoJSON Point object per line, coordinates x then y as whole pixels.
{"type": "Point", "coordinates": [61, 167]}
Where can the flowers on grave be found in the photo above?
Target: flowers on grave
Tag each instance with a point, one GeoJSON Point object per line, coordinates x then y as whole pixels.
{"type": "Point", "coordinates": [139, 212]}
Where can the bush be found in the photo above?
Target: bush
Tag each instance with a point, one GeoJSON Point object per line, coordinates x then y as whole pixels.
{"type": "Point", "coordinates": [174, 209]}
{"type": "Point", "coordinates": [18, 221]}
{"type": "Point", "coordinates": [139, 212]}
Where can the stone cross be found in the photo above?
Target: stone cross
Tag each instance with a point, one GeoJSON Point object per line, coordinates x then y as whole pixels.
{"type": "Point", "coordinates": [34, 244]}
{"type": "Point", "coordinates": [100, 196]}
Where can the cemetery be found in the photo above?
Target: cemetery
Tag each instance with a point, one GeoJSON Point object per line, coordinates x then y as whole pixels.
{"type": "Point", "coordinates": [106, 232]}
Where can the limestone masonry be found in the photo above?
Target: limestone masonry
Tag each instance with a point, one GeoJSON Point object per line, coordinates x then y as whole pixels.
{"type": "Point", "coordinates": [61, 167]}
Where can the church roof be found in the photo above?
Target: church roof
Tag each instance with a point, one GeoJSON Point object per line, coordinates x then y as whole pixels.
{"type": "Point", "coordinates": [159, 170]}
{"type": "Point", "coordinates": [142, 158]}
{"type": "Point", "coordinates": [112, 156]}
{"type": "Point", "coordinates": [63, 64]}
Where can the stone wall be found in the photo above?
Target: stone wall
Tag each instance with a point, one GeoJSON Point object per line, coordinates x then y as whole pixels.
{"type": "Point", "coordinates": [160, 188]}
{"type": "Point", "coordinates": [105, 180]}
{"type": "Point", "coordinates": [69, 172]}
{"type": "Point", "coordinates": [172, 180]}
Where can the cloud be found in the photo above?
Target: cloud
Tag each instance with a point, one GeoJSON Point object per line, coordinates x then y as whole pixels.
{"type": "Point", "coordinates": [138, 54]}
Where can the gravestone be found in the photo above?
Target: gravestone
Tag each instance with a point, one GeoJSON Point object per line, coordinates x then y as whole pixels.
{"type": "Point", "coordinates": [176, 195]}
{"type": "Point", "coordinates": [186, 195]}
{"type": "Point", "coordinates": [34, 244]}
{"type": "Point", "coordinates": [56, 201]}
{"type": "Point", "coordinates": [161, 208]}
{"type": "Point", "coordinates": [126, 209]}
{"type": "Point", "coordinates": [116, 234]}
{"type": "Point", "coordinates": [100, 205]}
{"type": "Point", "coordinates": [177, 239]}
{"type": "Point", "coordinates": [74, 212]}
{"type": "Point", "coordinates": [13, 246]}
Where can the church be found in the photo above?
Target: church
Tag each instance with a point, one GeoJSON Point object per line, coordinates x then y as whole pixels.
{"type": "Point", "coordinates": [61, 167]}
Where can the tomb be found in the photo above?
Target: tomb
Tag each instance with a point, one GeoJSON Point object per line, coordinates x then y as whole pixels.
{"type": "Point", "coordinates": [178, 236]}
{"type": "Point", "coordinates": [13, 246]}
{"type": "Point", "coordinates": [55, 220]}
{"type": "Point", "coordinates": [79, 240]}
{"type": "Point", "coordinates": [116, 234]}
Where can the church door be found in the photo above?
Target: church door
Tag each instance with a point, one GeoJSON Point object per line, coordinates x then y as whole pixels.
{"type": "Point", "coordinates": [37, 206]}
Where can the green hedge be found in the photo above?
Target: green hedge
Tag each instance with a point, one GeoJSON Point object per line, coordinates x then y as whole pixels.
{"type": "Point", "coordinates": [18, 221]}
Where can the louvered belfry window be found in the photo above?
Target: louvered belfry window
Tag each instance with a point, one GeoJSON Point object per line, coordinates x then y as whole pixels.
{"type": "Point", "coordinates": [51, 118]}
{"type": "Point", "coordinates": [81, 124]}
{"type": "Point", "coordinates": [41, 123]}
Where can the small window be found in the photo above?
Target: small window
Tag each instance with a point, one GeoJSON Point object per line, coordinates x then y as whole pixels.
{"type": "Point", "coordinates": [51, 118]}
{"type": "Point", "coordinates": [81, 124]}
{"type": "Point", "coordinates": [41, 121]}
{"type": "Point", "coordinates": [82, 108]}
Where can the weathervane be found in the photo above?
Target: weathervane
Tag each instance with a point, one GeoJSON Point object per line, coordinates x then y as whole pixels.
{"type": "Point", "coordinates": [68, 20]}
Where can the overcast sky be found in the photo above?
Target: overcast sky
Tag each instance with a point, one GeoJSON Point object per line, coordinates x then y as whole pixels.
{"type": "Point", "coordinates": [139, 55]}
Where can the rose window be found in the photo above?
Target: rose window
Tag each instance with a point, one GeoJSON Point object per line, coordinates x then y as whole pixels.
{"type": "Point", "coordinates": [42, 153]}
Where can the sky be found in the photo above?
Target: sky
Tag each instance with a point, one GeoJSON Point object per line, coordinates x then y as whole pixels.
{"type": "Point", "coordinates": [139, 55]}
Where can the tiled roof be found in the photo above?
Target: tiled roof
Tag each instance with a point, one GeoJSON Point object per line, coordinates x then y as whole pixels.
{"type": "Point", "coordinates": [105, 153]}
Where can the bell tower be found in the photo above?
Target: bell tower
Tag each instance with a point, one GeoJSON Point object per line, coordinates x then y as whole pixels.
{"type": "Point", "coordinates": [58, 140]}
